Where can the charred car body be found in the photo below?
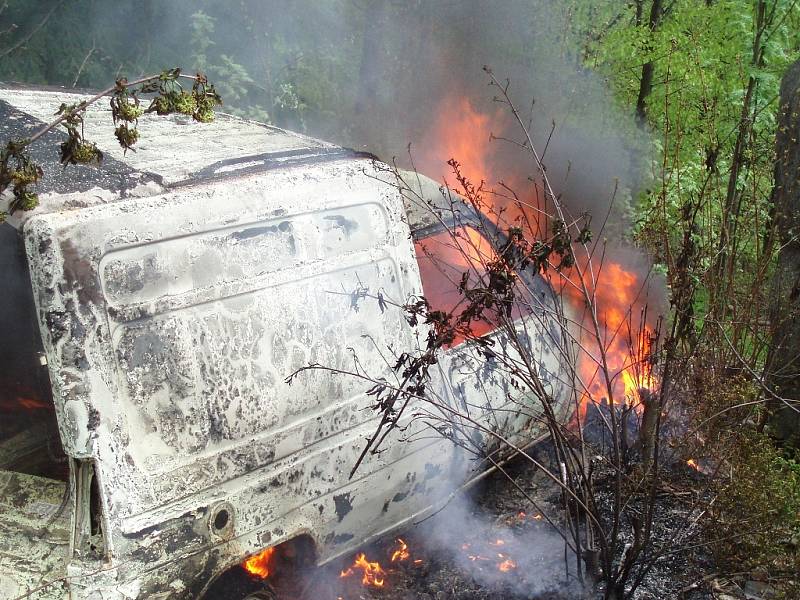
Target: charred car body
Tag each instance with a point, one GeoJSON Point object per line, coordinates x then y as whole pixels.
{"type": "Point", "coordinates": [154, 307]}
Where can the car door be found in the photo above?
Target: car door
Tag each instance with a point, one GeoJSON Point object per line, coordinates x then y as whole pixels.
{"type": "Point", "coordinates": [481, 378]}
{"type": "Point", "coordinates": [171, 325]}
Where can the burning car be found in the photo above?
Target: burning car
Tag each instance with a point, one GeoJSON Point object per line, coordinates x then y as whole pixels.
{"type": "Point", "coordinates": [153, 308]}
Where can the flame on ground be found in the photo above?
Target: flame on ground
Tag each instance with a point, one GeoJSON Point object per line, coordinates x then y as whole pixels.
{"type": "Point", "coordinates": [258, 565]}
{"type": "Point", "coordinates": [402, 552]}
{"type": "Point", "coordinates": [372, 573]}
{"type": "Point", "coordinates": [503, 561]}
{"type": "Point", "coordinates": [507, 564]}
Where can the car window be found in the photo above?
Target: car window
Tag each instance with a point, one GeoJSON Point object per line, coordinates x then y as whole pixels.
{"type": "Point", "coordinates": [442, 264]}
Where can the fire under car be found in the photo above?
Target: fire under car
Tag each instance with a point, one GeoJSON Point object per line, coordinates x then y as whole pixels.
{"type": "Point", "coordinates": [152, 310]}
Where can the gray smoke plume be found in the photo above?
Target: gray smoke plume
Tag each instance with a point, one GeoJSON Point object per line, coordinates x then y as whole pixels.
{"type": "Point", "coordinates": [378, 75]}
{"type": "Point", "coordinates": [517, 553]}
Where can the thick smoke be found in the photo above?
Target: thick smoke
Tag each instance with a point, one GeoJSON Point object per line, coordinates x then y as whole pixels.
{"type": "Point", "coordinates": [588, 156]}
{"type": "Point", "coordinates": [516, 553]}
{"type": "Point", "coordinates": [378, 76]}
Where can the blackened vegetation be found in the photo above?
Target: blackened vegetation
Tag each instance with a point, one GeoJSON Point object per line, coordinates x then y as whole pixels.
{"type": "Point", "coordinates": [453, 554]}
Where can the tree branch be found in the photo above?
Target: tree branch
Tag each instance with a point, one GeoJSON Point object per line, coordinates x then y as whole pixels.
{"type": "Point", "coordinates": [33, 31]}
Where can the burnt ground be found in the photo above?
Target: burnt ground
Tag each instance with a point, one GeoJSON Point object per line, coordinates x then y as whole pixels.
{"type": "Point", "coordinates": [495, 545]}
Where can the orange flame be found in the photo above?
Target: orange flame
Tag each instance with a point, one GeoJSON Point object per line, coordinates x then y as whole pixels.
{"type": "Point", "coordinates": [461, 132]}
{"type": "Point", "coordinates": [693, 463]}
{"type": "Point", "coordinates": [258, 565]}
{"type": "Point", "coordinates": [503, 561]}
{"type": "Point", "coordinates": [402, 552]}
{"type": "Point", "coordinates": [372, 572]}
{"type": "Point", "coordinates": [507, 564]}
{"type": "Point", "coordinates": [477, 557]}
{"type": "Point", "coordinates": [627, 353]}
{"type": "Point", "coordinates": [15, 396]}
{"type": "Point", "coordinates": [464, 133]}
{"type": "Point", "coordinates": [31, 403]}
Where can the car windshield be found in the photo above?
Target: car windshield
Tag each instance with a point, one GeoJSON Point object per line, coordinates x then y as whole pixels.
{"type": "Point", "coordinates": [29, 440]}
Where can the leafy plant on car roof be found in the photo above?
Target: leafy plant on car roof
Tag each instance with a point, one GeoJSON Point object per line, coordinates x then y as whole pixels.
{"type": "Point", "coordinates": [20, 172]}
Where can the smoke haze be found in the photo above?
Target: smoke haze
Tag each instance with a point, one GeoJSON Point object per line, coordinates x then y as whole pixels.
{"type": "Point", "coordinates": [369, 74]}
{"type": "Point", "coordinates": [381, 76]}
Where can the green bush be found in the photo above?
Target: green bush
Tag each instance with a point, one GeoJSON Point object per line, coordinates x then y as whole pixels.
{"type": "Point", "coordinates": [755, 522]}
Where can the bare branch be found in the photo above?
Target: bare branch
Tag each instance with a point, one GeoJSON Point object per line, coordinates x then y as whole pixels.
{"type": "Point", "coordinates": [32, 32]}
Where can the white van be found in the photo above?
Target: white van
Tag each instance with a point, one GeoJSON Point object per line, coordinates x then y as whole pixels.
{"type": "Point", "coordinates": [152, 310]}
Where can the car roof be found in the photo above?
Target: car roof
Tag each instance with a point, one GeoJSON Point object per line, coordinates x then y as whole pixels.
{"type": "Point", "coordinates": [430, 206]}
{"type": "Point", "coordinates": [172, 150]}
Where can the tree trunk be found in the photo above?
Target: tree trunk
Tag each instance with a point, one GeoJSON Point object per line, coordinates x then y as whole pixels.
{"type": "Point", "coordinates": [648, 68]}
{"type": "Point", "coordinates": [723, 270]}
{"type": "Point", "coordinates": [783, 365]}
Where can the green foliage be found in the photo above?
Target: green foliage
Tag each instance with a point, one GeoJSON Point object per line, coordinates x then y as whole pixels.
{"type": "Point", "coordinates": [714, 85]}
{"type": "Point", "coordinates": [200, 39]}
{"type": "Point", "coordinates": [236, 81]}
{"type": "Point", "coordinates": [232, 77]}
{"type": "Point", "coordinates": [253, 50]}
{"type": "Point", "coordinates": [75, 150]}
{"type": "Point", "coordinates": [753, 525]}
{"type": "Point", "coordinates": [18, 171]}
{"type": "Point", "coordinates": [706, 218]}
{"type": "Point", "coordinates": [756, 521]}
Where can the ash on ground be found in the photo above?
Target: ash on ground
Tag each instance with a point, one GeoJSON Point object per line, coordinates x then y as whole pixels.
{"type": "Point", "coordinates": [493, 544]}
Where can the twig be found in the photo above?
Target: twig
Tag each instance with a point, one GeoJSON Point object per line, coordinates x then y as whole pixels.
{"type": "Point", "coordinates": [788, 402]}
{"type": "Point", "coordinates": [83, 64]}
{"type": "Point", "coordinates": [86, 103]}
{"type": "Point", "coordinates": [33, 32]}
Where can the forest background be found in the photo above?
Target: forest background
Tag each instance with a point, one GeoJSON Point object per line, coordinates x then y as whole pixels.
{"type": "Point", "coordinates": [671, 107]}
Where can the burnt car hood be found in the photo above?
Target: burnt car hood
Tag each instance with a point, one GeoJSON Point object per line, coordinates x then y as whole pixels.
{"type": "Point", "coordinates": [34, 537]}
